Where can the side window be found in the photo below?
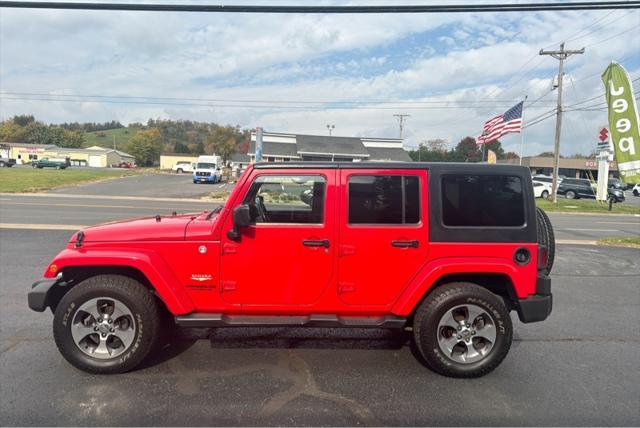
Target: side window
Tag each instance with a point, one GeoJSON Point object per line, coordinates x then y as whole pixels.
{"type": "Point", "coordinates": [384, 199]}
{"type": "Point", "coordinates": [287, 199]}
{"type": "Point", "coordinates": [482, 200]}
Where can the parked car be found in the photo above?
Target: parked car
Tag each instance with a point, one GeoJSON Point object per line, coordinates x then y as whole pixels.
{"type": "Point", "coordinates": [636, 190]}
{"type": "Point", "coordinates": [616, 194]}
{"type": "Point", "coordinates": [541, 190]}
{"type": "Point", "coordinates": [614, 183]}
{"type": "Point", "coordinates": [183, 166]}
{"type": "Point", "coordinates": [576, 188]}
{"type": "Point", "coordinates": [328, 245]}
{"type": "Point", "coordinates": [545, 179]}
{"type": "Point", "coordinates": [50, 163]}
{"type": "Point", "coordinates": [126, 165]}
{"type": "Point", "coordinates": [7, 162]}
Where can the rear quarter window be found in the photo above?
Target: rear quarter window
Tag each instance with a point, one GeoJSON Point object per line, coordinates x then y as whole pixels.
{"type": "Point", "coordinates": [482, 201]}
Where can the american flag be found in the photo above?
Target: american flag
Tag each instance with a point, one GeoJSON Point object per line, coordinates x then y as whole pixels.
{"type": "Point", "coordinates": [507, 123]}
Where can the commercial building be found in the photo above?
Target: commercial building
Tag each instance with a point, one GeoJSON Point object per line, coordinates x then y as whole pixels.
{"type": "Point", "coordinates": [93, 156]}
{"type": "Point", "coordinates": [569, 167]}
{"type": "Point", "coordinates": [281, 147]}
{"type": "Point", "coordinates": [168, 160]}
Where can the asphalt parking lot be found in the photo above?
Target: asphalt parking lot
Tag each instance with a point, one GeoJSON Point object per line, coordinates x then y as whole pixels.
{"type": "Point", "coordinates": [147, 185]}
{"type": "Point", "coordinates": [580, 367]}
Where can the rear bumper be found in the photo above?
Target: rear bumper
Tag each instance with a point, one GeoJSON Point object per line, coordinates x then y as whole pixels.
{"type": "Point", "coordinates": [537, 307]}
{"type": "Point", "coordinates": [39, 297]}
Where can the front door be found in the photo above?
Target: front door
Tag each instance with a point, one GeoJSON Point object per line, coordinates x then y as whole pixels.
{"type": "Point", "coordinates": [383, 233]}
{"type": "Point", "coordinates": [286, 256]}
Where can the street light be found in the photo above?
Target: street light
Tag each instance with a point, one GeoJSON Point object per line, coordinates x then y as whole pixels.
{"type": "Point", "coordinates": [331, 128]}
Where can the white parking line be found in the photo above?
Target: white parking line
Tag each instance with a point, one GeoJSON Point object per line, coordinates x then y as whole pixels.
{"type": "Point", "coordinates": [590, 230]}
{"type": "Point", "coordinates": [30, 226]}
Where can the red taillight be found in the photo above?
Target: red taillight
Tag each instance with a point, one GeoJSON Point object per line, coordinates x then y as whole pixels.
{"type": "Point", "coordinates": [543, 256]}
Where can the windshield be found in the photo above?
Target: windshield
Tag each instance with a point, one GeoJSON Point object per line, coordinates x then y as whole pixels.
{"type": "Point", "coordinates": [203, 165]}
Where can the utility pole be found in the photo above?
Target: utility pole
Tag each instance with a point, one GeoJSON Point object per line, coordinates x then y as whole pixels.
{"type": "Point", "coordinates": [560, 55]}
{"type": "Point", "coordinates": [401, 118]}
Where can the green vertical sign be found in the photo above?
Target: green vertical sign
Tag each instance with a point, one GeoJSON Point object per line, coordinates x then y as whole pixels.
{"type": "Point", "coordinates": [623, 121]}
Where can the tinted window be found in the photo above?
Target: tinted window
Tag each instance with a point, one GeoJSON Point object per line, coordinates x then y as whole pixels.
{"type": "Point", "coordinates": [286, 199]}
{"type": "Point", "coordinates": [384, 199]}
{"type": "Point", "coordinates": [482, 200]}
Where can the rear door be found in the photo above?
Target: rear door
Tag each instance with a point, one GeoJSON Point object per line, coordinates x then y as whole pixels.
{"type": "Point", "coordinates": [383, 233]}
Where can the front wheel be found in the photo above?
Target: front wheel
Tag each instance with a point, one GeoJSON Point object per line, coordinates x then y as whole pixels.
{"type": "Point", "coordinates": [179, 171]}
{"type": "Point", "coordinates": [636, 193]}
{"type": "Point", "coordinates": [571, 194]}
{"type": "Point", "coordinates": [106, 324]}
{"type": "Point", "coordinates": [462, 330]}
{"type": "Point", "coordinates": [545, 194]}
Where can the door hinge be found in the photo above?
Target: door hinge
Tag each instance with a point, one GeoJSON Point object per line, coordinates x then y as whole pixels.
{"type": "Point", "coordinates": [346, 287]}
{"type": "Point", "coordinates": [229, 249]}
{"type": "Point", "coordinates": [347, 250]}
{"type": "Point", "coordinates": [228, 286]}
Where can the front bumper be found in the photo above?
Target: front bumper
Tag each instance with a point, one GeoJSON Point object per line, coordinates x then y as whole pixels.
{"type": "Point", "coordinates": [537, 307]}
{"type": "Point", "coordinates": [45, 292]}
{"type": "Point", "coordinates": [205, 178]}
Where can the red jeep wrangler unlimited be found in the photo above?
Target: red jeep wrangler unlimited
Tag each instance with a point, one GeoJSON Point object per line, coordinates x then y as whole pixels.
{"type": "Point", "coordinates": [443, 250]}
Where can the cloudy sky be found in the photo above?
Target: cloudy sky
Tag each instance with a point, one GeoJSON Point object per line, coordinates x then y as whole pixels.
{"type": "Point", "coordinates": [298, 73]}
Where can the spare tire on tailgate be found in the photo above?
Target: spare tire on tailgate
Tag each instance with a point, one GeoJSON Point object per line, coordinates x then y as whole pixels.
{"type": "Point", "coordinates": [546, 237]}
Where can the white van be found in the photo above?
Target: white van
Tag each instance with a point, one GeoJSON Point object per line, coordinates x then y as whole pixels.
{"type": "Point", "coordinates": [208, 169]}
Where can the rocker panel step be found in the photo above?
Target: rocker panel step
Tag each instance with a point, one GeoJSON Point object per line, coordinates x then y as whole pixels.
{"type": "Point", "coordinates": [320, 320]}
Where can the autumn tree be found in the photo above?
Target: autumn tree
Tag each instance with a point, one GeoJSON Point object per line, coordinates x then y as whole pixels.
{"type": "Point", "coordinates": [222, 141]}
{"type": "Point", "coordinates": [145, 146]}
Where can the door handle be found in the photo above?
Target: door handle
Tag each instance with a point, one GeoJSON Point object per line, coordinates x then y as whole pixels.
{"type": "Point", "coordinates": [405, 244]}
{"type": "Point", "coordinates": [316, 243]}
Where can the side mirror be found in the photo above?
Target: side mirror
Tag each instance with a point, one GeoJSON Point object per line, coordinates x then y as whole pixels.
{"type": "Point", "coordinates": [241, 218]}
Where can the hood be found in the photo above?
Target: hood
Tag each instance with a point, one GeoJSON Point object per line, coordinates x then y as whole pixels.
{"type": "Point", "coordinates": [159, 228]}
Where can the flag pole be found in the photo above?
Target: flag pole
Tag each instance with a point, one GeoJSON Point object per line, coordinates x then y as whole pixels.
{"type": "Point", "coordinates": [522, 130]}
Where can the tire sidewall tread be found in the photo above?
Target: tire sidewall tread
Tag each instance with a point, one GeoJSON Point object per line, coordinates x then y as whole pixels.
{"type": "Point", "coordinates": [429, 313]}
{"type": "Point", "coordinates": [135, 296]}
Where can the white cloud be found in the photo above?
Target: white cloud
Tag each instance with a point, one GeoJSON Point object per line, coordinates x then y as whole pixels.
{"type": "Point", "coordinates": [311, 57]}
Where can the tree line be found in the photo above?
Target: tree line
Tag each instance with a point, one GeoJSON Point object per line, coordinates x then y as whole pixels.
{"type": "Point", "coordinates": [465, 151]}
{"type": "Point", "coordinates": [26, 129]}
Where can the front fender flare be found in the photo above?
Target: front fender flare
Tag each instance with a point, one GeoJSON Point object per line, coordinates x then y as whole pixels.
{"type": "Point", "coordinates": [149, 263]}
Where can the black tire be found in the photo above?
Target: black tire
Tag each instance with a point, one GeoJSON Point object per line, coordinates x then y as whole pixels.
{"type": "Point", "coordinates": [545, 194]}
{"type": "Point", "coordinates": [546, 237]}
{"type": "Point", "coordinates": [136, 297]}
{"type": "Point", "coordinates": [636, 193]}
{"type": "Point", "coordinates": [434, 307]}
{"type": "Point", "coordinates": [570, 194]}
{"type": "Point", "coordinates": [179, 171]}
{"type": "Point", "coordinates": [2, 164]}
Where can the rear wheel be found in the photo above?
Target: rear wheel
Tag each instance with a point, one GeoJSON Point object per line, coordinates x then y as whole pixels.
{"type": "Point", "coordinates": [106, 324]}
{"type": "Point", "coordinates": [636, 193]}
{"type": "Point", "coordinates": [571, 194]}
{"type": "Point", "coordinates": [462, 330]}
{"type": "Point", "coordinates": [545, 194]}
{"type": "Point", "coordinates": [179, 170]}
{"type": "Point", "coordinates": [2, 165]}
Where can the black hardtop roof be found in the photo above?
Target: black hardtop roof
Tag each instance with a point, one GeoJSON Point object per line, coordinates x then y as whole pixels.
{"type": "Point", "coordinates": [448, 167]}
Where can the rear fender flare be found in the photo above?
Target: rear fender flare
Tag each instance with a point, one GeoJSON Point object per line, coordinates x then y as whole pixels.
{"type": "Point", "coordinates": [430, 273]}
{"type": "Point", "coordinates": [152, 266]}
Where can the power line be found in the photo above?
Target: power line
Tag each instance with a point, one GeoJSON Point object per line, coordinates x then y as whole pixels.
{"type": "Point", "coordinates": [250, 106]}
{"type": "Point", "coordinates": [221, 100]}
{"type": "Point", "coordinates": [613, 37]}
{"type": "Point", "coordinates": [220, 8]}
